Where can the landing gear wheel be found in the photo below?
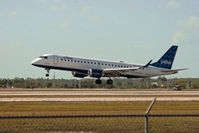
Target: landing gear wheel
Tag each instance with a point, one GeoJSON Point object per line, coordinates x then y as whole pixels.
{"type": "Point", "coordinates": [98, 81]}
{"type": "Point", "coordinates": [109, 81]}
{"type": "Point", "coordinates": [48, 70]}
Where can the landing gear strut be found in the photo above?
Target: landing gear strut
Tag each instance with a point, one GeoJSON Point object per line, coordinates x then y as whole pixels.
{"type": "Point", "coordinates": [109, 81]}
{"type": "Point", "coordinates": [98, 81]}
{"type": "Point", "coordinates": [47, 74]}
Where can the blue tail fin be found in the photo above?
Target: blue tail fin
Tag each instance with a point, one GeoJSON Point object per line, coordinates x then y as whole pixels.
{"type": "Point", "coordinates": [166, 61]}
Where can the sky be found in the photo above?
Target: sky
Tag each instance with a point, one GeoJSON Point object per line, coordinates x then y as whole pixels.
{"type": "Point", "coordinates": [133, 31]}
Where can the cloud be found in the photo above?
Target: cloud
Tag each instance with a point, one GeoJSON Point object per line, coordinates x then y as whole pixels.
{"type": "Point", "coordinates": [16, 44]}
{"type": "Point", "coordinates": [179, 37]}
{"type": "Point", "coordinates": [50, 26]}
{"type": "Point", "coordinates": [42, 1]}
{"type": "Point", "coordinates": [47, 1]}
{"type": "Point", "coordinates": [58, 8]}
{"type": "Point", "coordinates": [13, 13]}
{"type": "Point", "coordinates": [2, 14]}
{"type": "Point", "coordinates": [192, 23]}
{"type": "Point", "coordinates": [10, 14]}
{"type": "Point", "coordinates": [86, 10]}
{"type": "Point", "coordinates": [56, 1]}
{"type": "Point", "coordinates": [63, 26]}
{"type": "Point", "coordinates": [96, 18]}
{"type": "Point", "coordinates": [172, 4]}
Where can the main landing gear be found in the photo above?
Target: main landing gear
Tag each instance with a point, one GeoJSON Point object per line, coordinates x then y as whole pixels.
{"type": "Point", "coordinates": [99, 81]}
{"type": "Point", "coordinates": [109, 81]}
{"type": "Point", "coordinates": [47, 74]}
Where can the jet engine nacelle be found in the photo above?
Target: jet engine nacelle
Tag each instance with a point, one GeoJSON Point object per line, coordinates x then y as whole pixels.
{"type": "Point", "coordinates": [78, 74]}
{"type": "Point", "coordinates": [95, 73]}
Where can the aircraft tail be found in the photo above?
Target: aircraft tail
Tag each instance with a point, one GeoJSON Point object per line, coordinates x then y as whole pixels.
{"type": "Point", "coordinates": [166, 61]}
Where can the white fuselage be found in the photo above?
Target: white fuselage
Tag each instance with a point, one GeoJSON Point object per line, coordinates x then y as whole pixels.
{"type": "Point", "coordinates": [82, 65]}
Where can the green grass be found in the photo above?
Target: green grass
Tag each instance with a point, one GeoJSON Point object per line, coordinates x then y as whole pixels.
{"type": "Point", "coordinates": [58, 108]}
{"type": "Point", "coordinates": [98, 125]}
{"type": "Point", "coordinates": [174, 107]}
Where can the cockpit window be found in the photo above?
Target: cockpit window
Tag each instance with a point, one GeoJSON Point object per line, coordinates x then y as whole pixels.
{"type": "Point", "coordinates": [44, 57]}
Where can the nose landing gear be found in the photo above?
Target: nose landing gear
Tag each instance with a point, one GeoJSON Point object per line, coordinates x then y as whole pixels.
{"type": "Point", "coordinates": [47, 74]}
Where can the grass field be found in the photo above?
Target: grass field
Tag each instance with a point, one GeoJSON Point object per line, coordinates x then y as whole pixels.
{"type": "Point", "coordinates": [126, 125]}
{"type": "Point", "coordinates": [59, 108]}
{"type": "Point", "coordinates": [96, 125]}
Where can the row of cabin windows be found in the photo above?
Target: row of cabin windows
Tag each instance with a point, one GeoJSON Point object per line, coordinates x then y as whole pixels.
{"type": "Point", "coordinates": [95, 63]}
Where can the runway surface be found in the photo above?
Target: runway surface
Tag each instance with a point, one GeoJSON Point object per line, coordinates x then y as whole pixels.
{"type": "Point", "coordinates": [95, 92]}
{"type": "Point", "coordinates": [103, 99]}
{"type": "Point", "coordinates": [97, 95]}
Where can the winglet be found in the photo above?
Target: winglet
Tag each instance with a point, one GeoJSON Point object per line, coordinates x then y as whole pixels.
{"type": "Point", "coordinates": [148, 63]}
{"type": "Point", "coordinates": [142, 67]}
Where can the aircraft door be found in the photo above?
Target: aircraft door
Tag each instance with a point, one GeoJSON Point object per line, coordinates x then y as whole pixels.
{"type": "Point", "coordinates": [55, 59]}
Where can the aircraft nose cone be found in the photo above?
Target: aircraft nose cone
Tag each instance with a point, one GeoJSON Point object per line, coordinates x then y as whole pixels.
{"type": "Point", "coordinates": [34, 62]}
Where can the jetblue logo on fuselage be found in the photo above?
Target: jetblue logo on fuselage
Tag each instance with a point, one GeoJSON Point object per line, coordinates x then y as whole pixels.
{"type": "Point", "coordinates": [166, 62]}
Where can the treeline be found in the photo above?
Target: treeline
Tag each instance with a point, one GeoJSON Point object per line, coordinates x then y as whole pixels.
{"type": "Point", "coordinates": [161, 82]}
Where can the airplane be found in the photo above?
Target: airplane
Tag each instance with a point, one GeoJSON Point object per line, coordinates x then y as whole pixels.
{"type": "Point", "coordinates": [83, 67]}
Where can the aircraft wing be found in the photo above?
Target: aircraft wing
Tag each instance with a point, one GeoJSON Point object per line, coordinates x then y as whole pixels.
{"type": "Point", "coordinates": [175, 70]}
{"type": "Point", "coordinates": [118, 71]}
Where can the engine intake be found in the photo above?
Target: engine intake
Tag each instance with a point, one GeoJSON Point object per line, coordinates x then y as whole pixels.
{"type": "Point", "coordinates": [78, 74]}
{"type": "Point", "coordinates": [95, 73]}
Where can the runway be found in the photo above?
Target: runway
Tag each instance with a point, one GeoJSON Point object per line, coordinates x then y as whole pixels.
{"type": "Point", "coordinates": [99, 99]}
{"type": "Point", "coordinates": [97, 92]}
{"type": "Point", "coordinates": [96, 95]}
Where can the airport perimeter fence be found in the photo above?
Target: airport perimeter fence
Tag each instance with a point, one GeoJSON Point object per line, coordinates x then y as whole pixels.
{"type": "Point", "coordinates": [126, 123]}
